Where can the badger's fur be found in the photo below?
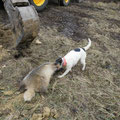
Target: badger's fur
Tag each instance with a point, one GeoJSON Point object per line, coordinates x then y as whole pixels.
{"type": "Point", "coordinates": [38, 80]}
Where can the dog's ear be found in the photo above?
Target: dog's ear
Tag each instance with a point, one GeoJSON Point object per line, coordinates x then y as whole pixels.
{"type": "Point", "coordinates": [59, 61]}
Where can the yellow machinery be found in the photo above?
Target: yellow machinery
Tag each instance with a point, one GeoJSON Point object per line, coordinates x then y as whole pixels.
{"type": "Point", "coordinates": [41, 4]}
{"type": "Point", "coordinates": [24, 17]}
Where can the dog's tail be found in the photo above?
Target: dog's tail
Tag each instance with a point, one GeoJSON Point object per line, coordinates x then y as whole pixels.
{"type": "Point", "coordinates": [89, 44]}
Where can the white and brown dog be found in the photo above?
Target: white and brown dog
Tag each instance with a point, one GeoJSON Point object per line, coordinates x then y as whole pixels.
{"type": "Point", "coordinates": [72, 58]}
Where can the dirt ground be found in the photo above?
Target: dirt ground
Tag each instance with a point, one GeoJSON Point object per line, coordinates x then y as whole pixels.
{"type": "Point", "coordinates": [90, 95]}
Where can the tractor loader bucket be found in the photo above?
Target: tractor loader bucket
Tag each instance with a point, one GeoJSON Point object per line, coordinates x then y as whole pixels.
{"type": "Point", "coordinates": [24, 20]}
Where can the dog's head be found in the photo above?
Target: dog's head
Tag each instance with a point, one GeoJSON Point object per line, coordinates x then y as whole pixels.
{"type": "Point", "coordinates": [59, 62]}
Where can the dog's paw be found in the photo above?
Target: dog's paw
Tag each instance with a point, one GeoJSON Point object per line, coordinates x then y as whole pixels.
{"type": "Point", "coordinates": [83, 69]}
{"type": "Point", "coordinates": [60, 76]}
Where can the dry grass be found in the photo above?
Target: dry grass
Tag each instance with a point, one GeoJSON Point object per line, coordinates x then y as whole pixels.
{"type": "Point", "coordinates": [90, 95]}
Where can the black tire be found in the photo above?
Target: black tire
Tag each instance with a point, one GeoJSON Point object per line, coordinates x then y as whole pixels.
{"type": "Point", "coordinates": [37, 7]}
{"type": "Point", "coordinates": [78, 1]}
{"type": "Point", "coordinates": [1, 5]}
{"type": "Point", "coordinates": [64, 2]}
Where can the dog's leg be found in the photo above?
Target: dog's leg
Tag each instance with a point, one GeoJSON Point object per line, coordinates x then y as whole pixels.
{"type": "Point", "coordinates": [65, 73]}
{"type": "Point", "coordinates": [83, 63]}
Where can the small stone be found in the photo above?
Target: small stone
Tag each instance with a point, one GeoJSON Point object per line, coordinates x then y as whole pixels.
{"type": "Point", "coordinates": [46, 112]}
{"type": "Point", "coordinates": [3, 66]}
{"type": "Point", "coordinates": [1, 46]}
{"type": "Point", "coordinates": [38, 42]}
{"type": "Point", "coordinates": [37, 117]}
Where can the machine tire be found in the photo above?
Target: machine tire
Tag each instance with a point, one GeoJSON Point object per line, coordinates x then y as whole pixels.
{"type": "Point", "coordinates": [1, 5]}
{"type": "Point", "coordinates": [64, 2]}
{"type": "Point", "coordinates": [39, 7]}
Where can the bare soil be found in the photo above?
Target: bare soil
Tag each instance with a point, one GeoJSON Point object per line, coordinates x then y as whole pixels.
{"type": "Point", "coordinates": [90, 95]}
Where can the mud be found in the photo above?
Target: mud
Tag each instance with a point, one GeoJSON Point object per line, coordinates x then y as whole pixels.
{"type": "Point", "coordinates": [89, 95]}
